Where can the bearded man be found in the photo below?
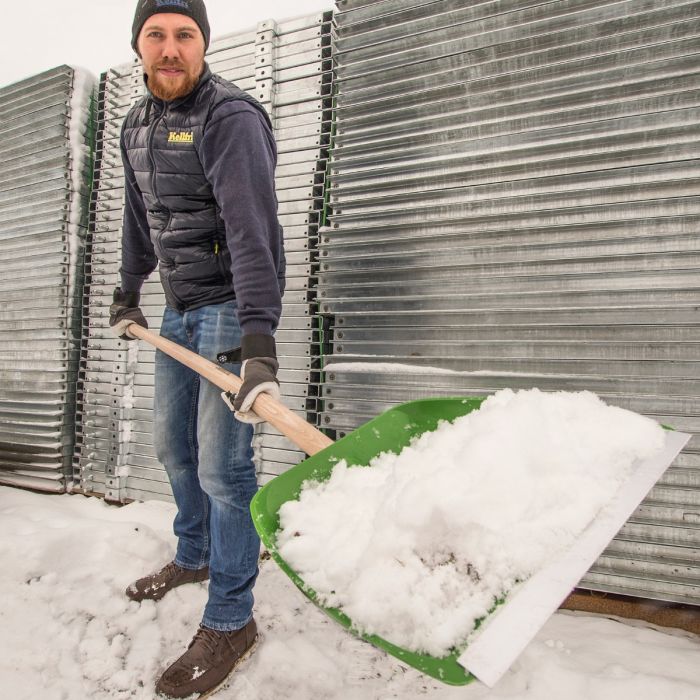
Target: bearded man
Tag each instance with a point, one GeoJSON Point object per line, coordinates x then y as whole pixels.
{"type": "Point", "coordinates": [199, 159]}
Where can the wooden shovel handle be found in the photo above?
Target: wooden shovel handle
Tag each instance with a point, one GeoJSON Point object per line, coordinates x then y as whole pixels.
{"type": "Point", "coordinates": [301, 433]}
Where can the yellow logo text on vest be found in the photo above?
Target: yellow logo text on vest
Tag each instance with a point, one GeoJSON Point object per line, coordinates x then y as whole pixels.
{"type": "Point", "coordinates": [180, 137]}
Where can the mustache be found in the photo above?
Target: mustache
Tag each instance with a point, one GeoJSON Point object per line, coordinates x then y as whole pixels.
{"type": "Point", "coordinates": [169, 64]}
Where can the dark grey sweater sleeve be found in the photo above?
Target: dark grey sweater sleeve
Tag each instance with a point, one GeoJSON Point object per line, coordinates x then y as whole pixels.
{"type": "Point", "coordinates": [138, 256]}
{"type": "Point", "coordinates": [239, 156]}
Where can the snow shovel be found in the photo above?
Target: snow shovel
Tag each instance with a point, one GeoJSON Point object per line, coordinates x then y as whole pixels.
{"type": "Point", "coordinates": [512, 623]}
{"type": "Point", "coordinates": [391, 431]}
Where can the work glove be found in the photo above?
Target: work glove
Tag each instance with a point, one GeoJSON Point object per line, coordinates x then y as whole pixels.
{"type": "Point", "coordinates": [123, 312]}
{"type": "Point", "coordinates": [259, 375]}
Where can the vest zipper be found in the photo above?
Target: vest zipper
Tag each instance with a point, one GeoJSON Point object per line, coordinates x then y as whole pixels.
{"type": "Point", "coordinates": [151, 137]}
{"type": "Point", "coordinates": [152, 159]}
{"type": "Point", "coordinates": [179, 305]}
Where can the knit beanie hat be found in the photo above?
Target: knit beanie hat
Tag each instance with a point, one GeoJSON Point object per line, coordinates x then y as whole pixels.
{"type": "Point", "coordinates": [192, 8]}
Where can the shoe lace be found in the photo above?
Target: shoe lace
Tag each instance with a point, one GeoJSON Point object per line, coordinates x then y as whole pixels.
{"type": "Point", "coordinates": [206, 638]}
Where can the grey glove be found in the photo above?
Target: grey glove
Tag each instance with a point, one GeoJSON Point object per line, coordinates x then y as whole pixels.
{"type": "Point", "coordinates": [124, 311]}
{"type": "Point", "coordinates": [258, 373]}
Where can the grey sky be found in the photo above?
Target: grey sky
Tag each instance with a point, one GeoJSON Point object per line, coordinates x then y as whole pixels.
{"type": "Point", "coordinates": [95, 34]}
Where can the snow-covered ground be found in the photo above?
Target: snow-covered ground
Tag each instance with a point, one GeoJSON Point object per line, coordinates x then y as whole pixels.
{"type": "Point", "coordinates": [67, 632]}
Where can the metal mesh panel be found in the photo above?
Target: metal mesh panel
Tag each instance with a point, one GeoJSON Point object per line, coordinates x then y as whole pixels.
{"type": "Point", "coordinates": [287, 68]}
{"type": "Point", "coordinates": [45, 154]}
{"type": "Point", "coordinates": [514, 204]}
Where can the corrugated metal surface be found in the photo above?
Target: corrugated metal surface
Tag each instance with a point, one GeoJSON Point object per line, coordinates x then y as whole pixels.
{"type": "Point", "coordinates": [287, 68]}
{"type": "Point", "coordinates": [45, 154]}
{"type": "Point", "coordinates": [514, 193]}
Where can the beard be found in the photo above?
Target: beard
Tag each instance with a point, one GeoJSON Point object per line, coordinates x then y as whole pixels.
{"type": "Point", "coordinates": [168, 89]}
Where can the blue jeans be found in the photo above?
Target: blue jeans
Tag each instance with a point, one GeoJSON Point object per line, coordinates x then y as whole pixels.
{"type": "Point", "coordinates": [208, 456]}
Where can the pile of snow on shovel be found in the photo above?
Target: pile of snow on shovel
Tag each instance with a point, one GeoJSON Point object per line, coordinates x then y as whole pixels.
{"type": "Point", "coordinates": [418, 547]}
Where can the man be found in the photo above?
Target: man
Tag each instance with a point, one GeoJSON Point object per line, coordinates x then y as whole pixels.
{"type": "Point", "coordinates": [199, 159]}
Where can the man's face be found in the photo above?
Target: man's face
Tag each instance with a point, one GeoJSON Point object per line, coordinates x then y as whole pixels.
{"type": "Point", "coordinates": [172, 50]}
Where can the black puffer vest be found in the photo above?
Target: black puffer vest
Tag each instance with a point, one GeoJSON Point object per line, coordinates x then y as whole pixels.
{"type": "Point", "coordinates": [187, 231]}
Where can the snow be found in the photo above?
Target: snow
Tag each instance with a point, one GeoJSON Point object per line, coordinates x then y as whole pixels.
{"type": "Point", "coordinates": [81, 92]}
{"type": "Point", "coordinates": [420, 546]}
{"type": "Point", "coordinates": [386, 367]}
{"type": "Point", "coordinates": [69, 633]}
{"type": "Point", "coordinates": [360, 367]}
{"type": "Point", "coordinates": [79, 106]}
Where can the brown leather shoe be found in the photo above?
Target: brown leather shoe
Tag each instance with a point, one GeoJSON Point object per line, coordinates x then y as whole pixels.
{"type": "Point", "coordinates": [155, 586]}
{"type": "Point", "coordinates": [209, 659]}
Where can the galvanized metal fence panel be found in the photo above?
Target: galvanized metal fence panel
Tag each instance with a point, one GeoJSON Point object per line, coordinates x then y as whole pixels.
{"type": "Point", "coordinates": [46, 155]}
{"type": "Point", "coordinates": [514, 203]}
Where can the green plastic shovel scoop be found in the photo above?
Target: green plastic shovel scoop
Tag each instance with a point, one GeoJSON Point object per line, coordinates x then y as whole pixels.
{"type": "Point", "coordinates": [390, 432]}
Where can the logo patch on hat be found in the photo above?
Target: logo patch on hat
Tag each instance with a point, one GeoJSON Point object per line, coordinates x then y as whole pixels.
{"type": "Point", "coordinates": [180, 137]}
{"type": "Point", "coordinates": [183, 4]}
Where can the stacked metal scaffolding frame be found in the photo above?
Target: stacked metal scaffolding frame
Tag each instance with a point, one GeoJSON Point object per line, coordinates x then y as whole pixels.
{"type": "Point", "coordinates": [293, 61]}
{"type": "Point", "coordinates": [45, 154]}
{"type": "Point", "coordinates": [287, 68]}
{"type": "Point", "coordinates": [514, 196]}
{"type": "Point", "coordinates": [105, 386]}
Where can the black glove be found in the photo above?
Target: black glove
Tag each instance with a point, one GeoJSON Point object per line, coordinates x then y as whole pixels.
{"type": "Point", "coordinates": [124, 311]}
{"type": "Point", "coordinates": [258, 373]}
